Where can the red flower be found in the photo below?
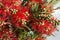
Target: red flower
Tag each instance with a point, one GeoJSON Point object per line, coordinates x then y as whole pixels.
{"type": "Point", "coordinates": [45, 28]}
{"type": "Point", "coordinates": [15, 21]}
{"type": "Point", "coordinates": [22, 14]}
{"type": "Point", "coordinates": [39, 39]}
{"type": "Point", "coordinates": [33, 24]}
{"type": "Point", "coordinates": [13, 15]}
{"type": "Point", "coordinates": [11, 3]}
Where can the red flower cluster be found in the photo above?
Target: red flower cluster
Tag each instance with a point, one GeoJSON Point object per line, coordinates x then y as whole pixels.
{"type": "Point", "coordinates": [20, 15]}
{"type": "Point", "coordinates": [39, 39]}
{"type": "Point", "coordinates": [12, 8]}
{"type": "Point", "coordinates": [6, 34]}
{"type": "Point", "coordinates": [10, 3]}
{"type": "Point", "coordinates": [13, 15]}
{"type": "Point", "coordinates": [43, 27]}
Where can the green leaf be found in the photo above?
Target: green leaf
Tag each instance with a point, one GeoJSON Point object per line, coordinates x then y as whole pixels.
{"type": "Point", "coordinates": [23, 35]}
{"type": "Point", "coordinates": [51, 1]}
{"type": "Point", "coordinates": [35, 7]}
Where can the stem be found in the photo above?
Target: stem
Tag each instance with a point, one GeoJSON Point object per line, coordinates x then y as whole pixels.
{"type": "Point", "coordinates": [27, 27]}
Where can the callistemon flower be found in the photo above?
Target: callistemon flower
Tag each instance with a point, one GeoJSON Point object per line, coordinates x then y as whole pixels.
{"type": "Point", "coordinates": [39, 39]}
{"type": "Point", "coordinates": [30, 19]}
{"type": "Point", "coordinates": [6, 34]}
{"type": "Point", "coordinates": [11, 2]}
{"type": "Point", "coordinates": [23, 13]}
{"type": "Point", "coordinates": [20, 15]}
{"type": "Point", "coordinates": [45, 27]}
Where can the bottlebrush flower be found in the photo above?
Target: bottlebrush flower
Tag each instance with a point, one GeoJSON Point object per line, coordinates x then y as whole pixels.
{"type": "Point", "coordinates": [45, 28]}
{"type": "Point", "coordinates": [24, 16]}
{"type": "Point", "coordinates": [39, 39]}
{"type": "Point", "coordinates": [11, 3]}
{"type": "Point", "coordinates": [21, 14]}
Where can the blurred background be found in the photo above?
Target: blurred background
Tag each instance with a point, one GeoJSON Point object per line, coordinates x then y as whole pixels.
{"type": "Point", "coordinates": [56, 14]}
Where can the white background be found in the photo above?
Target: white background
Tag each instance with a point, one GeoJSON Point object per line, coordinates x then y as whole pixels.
{"type": "Point", "coordinates": [56, 14]}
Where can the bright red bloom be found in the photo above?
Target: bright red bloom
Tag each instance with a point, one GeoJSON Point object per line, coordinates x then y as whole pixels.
{"type": "Point", "coordinates": [45, 28]}
{"type": "Point", "coordinates": [13, 14]}
{"type": "Point", "coordinates": [22, 14]}
{"type": "Point", "coordinates": [11, 3]}
{"type": "Point", "coordinates": [39, 39]}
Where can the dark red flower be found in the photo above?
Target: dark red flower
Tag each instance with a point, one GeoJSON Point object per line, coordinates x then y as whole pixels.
{"type": "Point", "coordinates": [1, 34]}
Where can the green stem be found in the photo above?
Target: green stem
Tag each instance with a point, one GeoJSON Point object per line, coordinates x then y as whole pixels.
{"type": "Point", "coordinates": [27, 27]}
